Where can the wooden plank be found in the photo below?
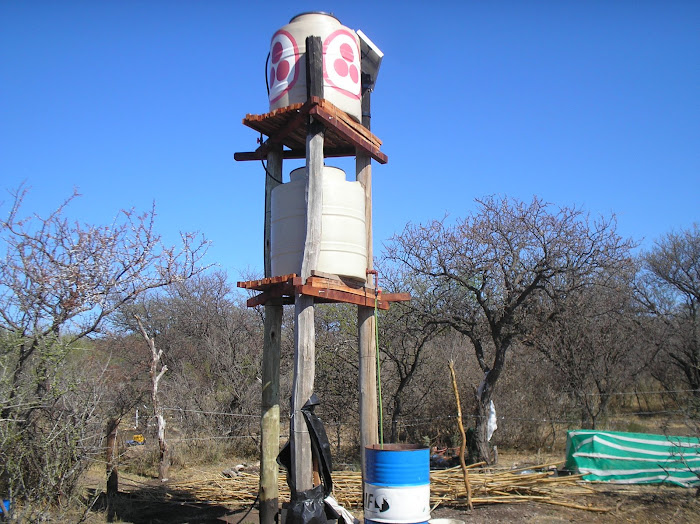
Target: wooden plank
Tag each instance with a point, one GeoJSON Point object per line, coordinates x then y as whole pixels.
{"type": "Point", "coordinates": [294, 154]}
{"type": "Point", "coordinates": [249, 118]}
{"type": "Point", "coordinates": [348, 132]}
{"type": "Point", "coordinates": [334, 295]}
{"type": "Point", "coordinates": [396, 297]}
{"type": "Point", "coordinates": [324, 283]}
{"type": "Point", "coordinates": [264, 283]}
{"type": "Point", "coordinates": [283, 126]}
{"type": "Point", "coordinates": [324, 294]}
{"type": "Point", "coordinates": [338, 113]}
{"type": "Point", "coordinates": [258, 300]}
{"type": "Point", "coordinates": [264, 298]}
{"type": "Point", "coordinates": [293, 124]}
{"type": "Point", "coordinates": [285, 113]}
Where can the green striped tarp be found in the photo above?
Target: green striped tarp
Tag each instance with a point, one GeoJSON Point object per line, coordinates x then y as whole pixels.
{"type": "Point", "coordinates": [633, 458]}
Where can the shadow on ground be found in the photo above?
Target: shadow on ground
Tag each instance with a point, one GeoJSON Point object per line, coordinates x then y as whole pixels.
{"type": "Point", "coordinates": [161, 505]}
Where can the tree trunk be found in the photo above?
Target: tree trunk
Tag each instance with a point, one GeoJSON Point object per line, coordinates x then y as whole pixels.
{"type": "Point", "coordinates": [482, 450]}
{"type": "Point", "coordinates": [157, 371]}
{"type": "Point", "coordinates": [484, 396]}
{"type": "Point", "coordinates": [111, 457]}
{"type": "Point", "coordinates": [398, 411]}
{"type": "Point", "coordinates": [112, 471]}
{"type": "Point", "coordinates": [164, 465]}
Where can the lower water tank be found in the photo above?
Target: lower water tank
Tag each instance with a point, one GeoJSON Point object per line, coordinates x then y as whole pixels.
{"type": "Point", "coordinates": [343, 237]}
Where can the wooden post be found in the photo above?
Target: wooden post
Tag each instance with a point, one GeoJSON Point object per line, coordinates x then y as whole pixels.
{"type": "Point", "coordinates": [304, 332]}
{"type": "Point", "coordinates": [273, 178]}
{"type": "Point", "coordinates": [366, 324]}
{"type": "Point", "coordinates": [270, 419]}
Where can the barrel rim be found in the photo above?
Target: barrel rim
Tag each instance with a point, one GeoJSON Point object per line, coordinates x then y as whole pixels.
{"type": "Point", "coordinates": [313, 13]}
{"type": "Point", "coordinates": [396, 447]}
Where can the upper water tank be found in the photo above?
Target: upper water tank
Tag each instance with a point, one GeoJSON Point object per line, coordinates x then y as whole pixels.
{"type": "Point", "coordinates": [286, 69]}
{"type": "Point", "coordinates": [343, 236]}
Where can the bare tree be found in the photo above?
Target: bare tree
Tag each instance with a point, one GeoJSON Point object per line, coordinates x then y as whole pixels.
{"type": "Point", "coordinates": [210, 345]}
{"type": "Point", "coordinates": [63, 278]}
{"type": "Point", "coordinates": [59, 281]}
{"type": "Point", "coordinates": [336, 367]}
{"type": "Point", "coordinates": [484, 273]}
{"type": "Point", "coordinates": [405, 339]}
{"type": "Point", "coordinates": [673, 293]}
{"type": "Point", "coordinates": [597, 340]}
{"type": "Point", "coordinates": [157, 370]}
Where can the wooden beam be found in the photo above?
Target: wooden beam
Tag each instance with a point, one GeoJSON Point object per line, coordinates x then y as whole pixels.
{"type": "Point", "coordinates": [273, 178]}
{"type": "Point", "coordinates": [366, 322]}
{"type": "Point", "coordinates": [334, 295]}
{"type": "Point", "coordinates": [302, 389]}
{"type": "Point", "coordinates": [314, 67]}
{"type": "Point", "coordinates": [267, 282]}
{"type": "Point", "coordinates": [290, 126]}
{"type": "Point", "coordinates": [295, 154]}
{"type": "Point", "coordinates": [330, 119]}
{"type": "Point", "coordinates": [270, 419]}
{"type": "Point", "coordinates": [304, 331]}
{"type": "Point", "coordinates": [286, 126]}
{"type": "Point", "coordinates": [273, 120]}
{"type": "Point", "coordinates": [396, 297]}
{"type": "Point", "coordinates": [323, 288]}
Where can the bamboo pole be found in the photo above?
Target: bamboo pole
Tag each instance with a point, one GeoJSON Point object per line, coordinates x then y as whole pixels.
{"type": "Point", "coordinates": [463, 446]}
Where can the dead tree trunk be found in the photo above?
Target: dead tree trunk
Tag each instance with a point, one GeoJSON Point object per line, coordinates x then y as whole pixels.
{"type": "Point", "coordinates": [111, 457]}
{"type": "Point", "coordinates": [157, 371]}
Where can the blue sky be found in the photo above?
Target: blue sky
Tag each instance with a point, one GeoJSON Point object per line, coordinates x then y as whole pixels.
{"type": "Point", "coordinates": [592, 103]}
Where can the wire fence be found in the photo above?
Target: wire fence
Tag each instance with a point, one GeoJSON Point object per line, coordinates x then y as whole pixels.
{"type": "Point", "coordinates": [404, 423]}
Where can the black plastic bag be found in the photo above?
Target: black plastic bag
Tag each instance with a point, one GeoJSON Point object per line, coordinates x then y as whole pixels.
{"type": "Point", "coordinates": [308, 507]}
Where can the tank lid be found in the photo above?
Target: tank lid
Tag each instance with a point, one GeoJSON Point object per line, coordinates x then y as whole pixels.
{"type": "Point", "coordinates": [314, 13]}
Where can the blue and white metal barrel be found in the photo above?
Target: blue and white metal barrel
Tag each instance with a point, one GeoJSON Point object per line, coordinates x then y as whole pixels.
{"type": "Point", "coordinates": [397, 484]}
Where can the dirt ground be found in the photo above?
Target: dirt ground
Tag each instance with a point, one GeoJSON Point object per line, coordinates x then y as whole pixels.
{"type": "Point", "coordinates": [643, 505]}
{"type": "Point", "coordinates": [147, 502]}
{"type": "Point", "coordinates": [639, 505]}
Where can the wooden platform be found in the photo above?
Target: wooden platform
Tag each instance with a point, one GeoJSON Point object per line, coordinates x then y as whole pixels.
{"type": "Point", "coordinates": [287, 126]}
{"type": "Point", "coordinates": [323, 289]}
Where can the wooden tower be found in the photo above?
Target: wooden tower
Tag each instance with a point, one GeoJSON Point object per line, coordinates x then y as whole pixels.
{"type": "Point", "coordinates": [313, 130]}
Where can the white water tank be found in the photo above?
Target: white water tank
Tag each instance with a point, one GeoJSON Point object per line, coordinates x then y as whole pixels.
{"type": "Point", "coordinates": [286, 67]}
{"type": "Point", "coordinates": [343, 235]}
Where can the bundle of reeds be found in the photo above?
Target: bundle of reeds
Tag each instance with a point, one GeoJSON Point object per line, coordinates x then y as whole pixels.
{"type": "Point", "coordinates": [489, 486]}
